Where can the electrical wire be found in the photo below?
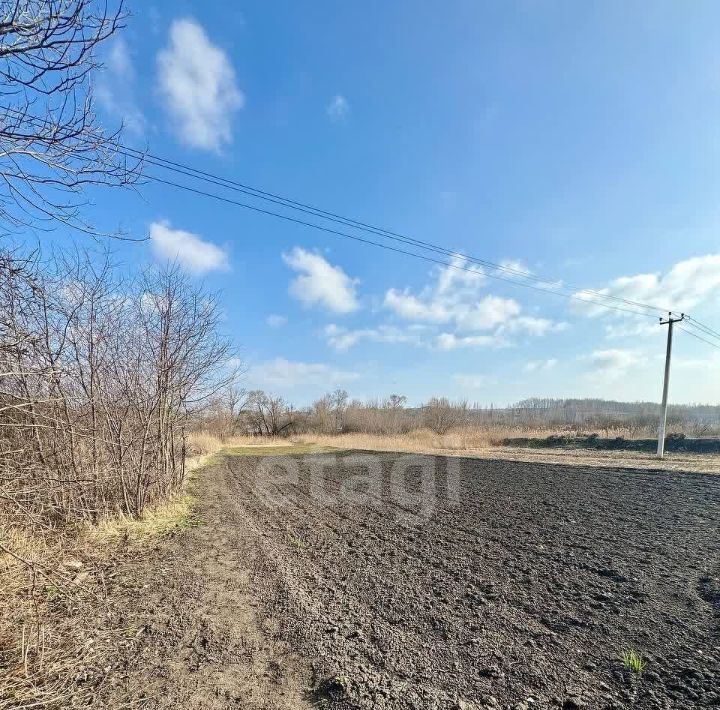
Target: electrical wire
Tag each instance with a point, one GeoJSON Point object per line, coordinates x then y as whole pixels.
{"type": "Point", "coordinates": [429, 259]}
{"type": "Point", "coordinates": [189, 171]}
{"type": "Point", "coordinates": [528, 280]}
{"type": "Point", "coordinates": [386, 246]}
{"type": "Point", "coordinates": [702, 327]}
{"type": "Point", "coordinates": [695, 335]}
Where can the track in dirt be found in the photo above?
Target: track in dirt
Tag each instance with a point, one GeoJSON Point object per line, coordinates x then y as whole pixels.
{"type": "Point", "coordinates": [520, 590]}
{"type": "Point", "coordinates": [366, 580]}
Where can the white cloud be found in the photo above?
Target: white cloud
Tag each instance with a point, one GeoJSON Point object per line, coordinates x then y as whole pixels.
{"type": "Point", "coordinates": [471, 382]}
{"type": "Point", "coordinates": [522, 271]}
{"type": "Point", "coordinates": [321, 283]}
{"type": "Point", "coordinates": [276, 321]}
{"type": "Point", "coordinates": [631, 326]}
{"type": "Point", "coordinates": [614, 362]}
{"type": "Point", "coordinates": [410, 307]}
{"type": "Point", "coordinates": [186, 248]}
{"type": "Point", "coordinates": [704, 365]}
{"type": "Point", "coordinates": [452, 298]}
{"type": "Point", "coordinates": [455, 299]}
{"type": "Point", "coordinates": [338, 108]}
{"type": "Point", "coordinates": [286, 373]}
{"type": "Point", "coordinates": [487, 313]}
{"type": "Point", "coordinates": [119, 61]}
{"type": "Point", "coordinates": [517, 267]}
{"type": "Point", "coordinates": [687, 284]}
{"type": "Point", "coordinates": [454, 292]}
{"type": "Point", "coordinates": [343, 339]}
{"type": "Point", "coordinates": [460, 278]}
{"type": "Point", "coordinates": [451, 312]}
{"type": "Point", "coordinates": [450, 341]}
{"type": "Point", "coordinates": [533, 326]}
{"type": "Point", "coordinates": [115, 89]}
{"type": "Point", "coordinates": [198, 84]}
{"type": "Point", "coordinates": [540, 365]}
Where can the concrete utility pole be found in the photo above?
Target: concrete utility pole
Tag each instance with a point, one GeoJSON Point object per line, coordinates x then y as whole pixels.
{"type": "Point", "coordinates": [663, 412]}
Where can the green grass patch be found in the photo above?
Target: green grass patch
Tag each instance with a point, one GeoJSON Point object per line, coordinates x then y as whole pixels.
{"type": "Point", "coordinates": [633, 661]}
{"type": "Point", "coordinates": [280, 450]}
{"type": "Point", "coordinates": [52, 592]}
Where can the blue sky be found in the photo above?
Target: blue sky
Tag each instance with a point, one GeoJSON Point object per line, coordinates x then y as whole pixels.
{"type": "Point", "coordinates": [579, 141]}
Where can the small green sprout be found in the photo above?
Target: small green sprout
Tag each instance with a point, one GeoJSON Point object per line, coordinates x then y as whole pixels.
{"type": "Point", "coordinates": [633, 661]}
{"type": "Point", "coordinates": [297, 542]}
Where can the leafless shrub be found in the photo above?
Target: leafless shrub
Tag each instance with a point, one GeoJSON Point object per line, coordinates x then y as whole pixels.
{"type": "Point", "coordinates": [97, 379]}
{"type": "Point", "coordinates": [223, 417]}
{"type": "Point", "coordinates": [440, 415]}
{"type": "Point", "coordinates": [528, 418]}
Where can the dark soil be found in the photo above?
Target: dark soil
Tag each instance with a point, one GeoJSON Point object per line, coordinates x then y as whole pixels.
{"type": "Point", "coordinates": [523, 592]}
{"type": "Point", "coordinates": [676, 443]}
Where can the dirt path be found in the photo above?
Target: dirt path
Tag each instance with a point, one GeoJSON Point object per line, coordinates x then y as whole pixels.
{"type": "Point", "coordinates": [519, 591]}
{"type": "Point", "coordinates": [195, 637]}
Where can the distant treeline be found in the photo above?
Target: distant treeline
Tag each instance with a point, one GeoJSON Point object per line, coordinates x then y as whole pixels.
{"type": "Point", "coordinates": [599, 411]}
{"type": "Point", "coordinates": [260, 413]}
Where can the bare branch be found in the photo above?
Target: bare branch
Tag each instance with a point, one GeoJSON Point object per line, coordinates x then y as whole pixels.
{"type": "Point", "coordinates": [52, 147]}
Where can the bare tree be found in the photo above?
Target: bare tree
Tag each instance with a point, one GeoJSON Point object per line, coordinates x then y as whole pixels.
{"type": "Point", "coordinates": [395, 401]}
{"type": "Point", "coordinates": [51, 145]}
{"type": "Point", "coordinates": [338, 400]}
{"type": "Point", "coordinates": [268, 415]}
{"type": "Point", "coordinates": [235, 400]}
{"type": "Point", "coordinates": [321, 415]}
{"type": "Point", "coordinates": [441, 415]}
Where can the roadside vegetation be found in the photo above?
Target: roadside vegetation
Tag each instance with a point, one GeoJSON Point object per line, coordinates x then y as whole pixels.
{"type": "Point", "coordinates": [100, 377]}
{"type": "Point", "coordinates": [580, 431]}
{"type": "Point", "coordinates": [99, 373]}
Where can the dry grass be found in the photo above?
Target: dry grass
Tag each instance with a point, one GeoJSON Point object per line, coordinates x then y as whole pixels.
{"type": "Point", "coordinates": [419, 440]}
{"type": "Point", "coordinates": [54, 598]}
{"type": "Point", "coordinates": [169, 517]}
{"type": "Point", "coordinates": [46, 583]}
{"type": "Point", "coordinates": [465, 439]}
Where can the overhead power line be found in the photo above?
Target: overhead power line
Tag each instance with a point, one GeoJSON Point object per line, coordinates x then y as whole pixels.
{"type": "Point", "coordinates": [702, 327]}
{"type": "Point", "coordinates": [388, 247]}
{"type": "Point", "coordinates": [274, 198]}
{"type": "Point", "coordinates": [189, 171]}
{"type": "Point", "coordinates": [695, 335]}
{"type": "Point", "coordinates": [456, 266]}
{"type": "Point", "coordinates": [506, 273]}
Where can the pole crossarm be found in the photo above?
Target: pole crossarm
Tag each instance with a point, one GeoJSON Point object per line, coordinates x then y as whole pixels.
{"type": "Point", "coordinates": [670, 319]}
